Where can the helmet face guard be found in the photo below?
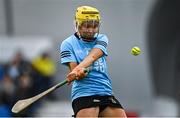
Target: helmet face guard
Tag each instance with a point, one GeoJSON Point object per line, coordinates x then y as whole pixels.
{"type": "Point", "coordinates": [89, 30]}
{"type": "Point", "coordinates": [87, 22]}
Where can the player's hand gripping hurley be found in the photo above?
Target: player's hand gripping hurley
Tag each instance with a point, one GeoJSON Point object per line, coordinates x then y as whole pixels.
{"type": "Point", "coordinates": [22, 104]}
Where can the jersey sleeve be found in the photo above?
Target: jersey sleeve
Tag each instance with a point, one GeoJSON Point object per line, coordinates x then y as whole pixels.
{"type": "Point", "coordinates": [102, 43]}
{"type": "Point", "coordinates": [67, 53]}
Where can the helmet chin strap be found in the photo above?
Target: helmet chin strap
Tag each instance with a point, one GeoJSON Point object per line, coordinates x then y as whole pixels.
{"type": "Point", "coordinates": [76, 29]}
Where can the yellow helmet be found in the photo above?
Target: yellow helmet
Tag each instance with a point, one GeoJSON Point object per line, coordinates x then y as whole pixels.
{"type": "Point", "coordinates": [84, 13]}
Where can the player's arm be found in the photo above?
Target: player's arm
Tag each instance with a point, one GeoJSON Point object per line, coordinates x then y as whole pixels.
{"type": "Point", "coordinates": [77, 71]}
{"type": "Point", "coordinates": [94, 54]}
{"type": "Point", "coordinates": [72, 65]}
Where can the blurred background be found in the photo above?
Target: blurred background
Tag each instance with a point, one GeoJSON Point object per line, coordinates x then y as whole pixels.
{"type": "Point", "coordinates": [31, 32]}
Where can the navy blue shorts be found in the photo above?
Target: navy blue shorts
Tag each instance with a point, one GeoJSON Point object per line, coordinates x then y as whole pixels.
{"type": "Point", "coordinates": [93, 101]}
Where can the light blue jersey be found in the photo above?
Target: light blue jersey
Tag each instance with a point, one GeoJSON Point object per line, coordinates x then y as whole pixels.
{"type": "Point", "coordinates": [97, 81]}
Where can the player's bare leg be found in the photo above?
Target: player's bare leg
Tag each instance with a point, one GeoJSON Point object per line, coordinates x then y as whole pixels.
{"type": "Point", "coordinates": [88, 112]}
{"type": "Point", "coordinates": [113, 112]}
